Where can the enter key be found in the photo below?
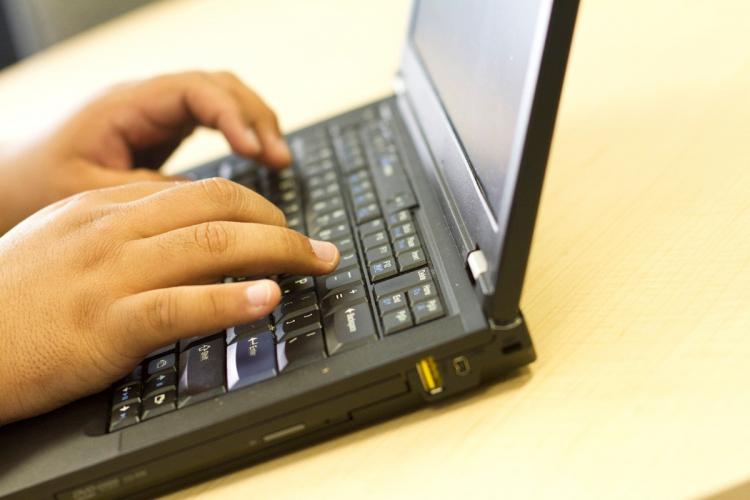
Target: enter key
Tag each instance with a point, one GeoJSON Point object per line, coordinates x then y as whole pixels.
{"type": "Point", "coordinates": [349, 327]}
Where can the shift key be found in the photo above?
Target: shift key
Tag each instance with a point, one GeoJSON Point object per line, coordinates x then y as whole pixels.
{"type": "Point", "coordinates": [349, 327]}
{"type": "Point", "coordinates": [202, 372]}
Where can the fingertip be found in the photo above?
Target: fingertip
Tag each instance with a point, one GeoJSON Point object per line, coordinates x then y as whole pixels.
{"type": "Point", "coordinates": [326, 252]}
{"type": "Point", "coordinates": [276, 152]}
{"type": "Point", "coordinates": [262, 296]}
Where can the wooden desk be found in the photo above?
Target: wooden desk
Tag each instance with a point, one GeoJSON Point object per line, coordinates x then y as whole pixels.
{"type": "Point", "coordinates": [638, 291]}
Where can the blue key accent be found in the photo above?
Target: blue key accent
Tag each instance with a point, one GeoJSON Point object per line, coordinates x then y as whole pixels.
{"type": "Point", "coordinates": [250, 360]}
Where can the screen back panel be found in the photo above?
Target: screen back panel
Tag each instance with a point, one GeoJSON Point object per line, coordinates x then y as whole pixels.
{"type": "Point", "coordinates": [483, 78]}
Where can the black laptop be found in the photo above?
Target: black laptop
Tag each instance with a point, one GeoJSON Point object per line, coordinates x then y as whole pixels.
{"type": "Point", "coordinates": [430, 196]}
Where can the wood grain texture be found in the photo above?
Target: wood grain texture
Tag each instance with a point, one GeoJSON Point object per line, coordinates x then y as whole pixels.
{"type": "Point", "coordinates": [638, 289]}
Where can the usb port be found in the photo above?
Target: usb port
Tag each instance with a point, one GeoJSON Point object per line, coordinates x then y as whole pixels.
{"type": "Point", "coordinates": [430, 376]}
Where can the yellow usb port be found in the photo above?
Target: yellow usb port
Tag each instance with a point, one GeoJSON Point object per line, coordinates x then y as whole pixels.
{"type": "Point", "coordinates": [430, 376]}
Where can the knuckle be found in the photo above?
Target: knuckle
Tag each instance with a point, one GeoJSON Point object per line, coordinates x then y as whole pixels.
{"type": "Point", "coordinates": [220, 191]}
{"type": "Point", "coordinates": [162, 312]}
{"type": "Point", "coordinates": [215, 305]}
{"type": "Point", "coordinates": [213, 237]}
{"type": "Point", "coordinates": [293, 243]}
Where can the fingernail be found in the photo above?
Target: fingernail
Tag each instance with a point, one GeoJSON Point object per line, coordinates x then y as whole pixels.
{"type": "Point", "coordinates": [252, 139]}
{"type": "Point", "coordinates": [258, 294]}
{"type": "Point", "coordinates": [327, 252]}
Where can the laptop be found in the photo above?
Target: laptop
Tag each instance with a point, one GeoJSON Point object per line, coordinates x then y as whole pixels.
{"type": "Point", "coordinates": [430, 195]}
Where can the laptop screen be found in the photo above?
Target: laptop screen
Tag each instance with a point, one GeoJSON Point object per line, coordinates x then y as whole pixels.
{"type": "Point", "coordinates": [482, 57]}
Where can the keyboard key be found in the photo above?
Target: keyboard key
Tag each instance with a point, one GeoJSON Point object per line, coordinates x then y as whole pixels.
{"type": "Point", "coordinates": [367, 213]}
{"type": "Point", "coordinates": [422, 292]}
{"type": "Point", "coordinates": [374, 240]}
{"type": "Point", "coordinates": [406, 244]}
{"type": "Point", "coordinates": [322, 180]}
{"type": "Point", "coordinates": [127, 394]}
{"type": "Point", "coordinates": [324, 206]}
{"type": "Point", "coordinates": [330, 219]}
{"type": "Point", "coordinates": [391, 302]}
{"type": "Point", "coordinates": [259, 326]}
{"type": "Point", "coordinates": [124, 416]}
{"type": "Point", "coordinates": [202, 371]}
{"type": "Point", "coordinates": [427, 310]}
{"type": "Point", "coordinates": [364, 199]}
{"type": "Point", "coordinates": [378, 253]}
{"type": "Point", "coordinates": [399, 218]}
{"type": "Point", "coordinates": [159, 404]}
{"type": "Point", "coordinates": [183, 344]}
{"type": "Point", "coordinates": [360, 187]}
{"type": "Point", "coordinates": [402, 230]}
{"type": "Point", "coordinates": [400, 202]}
{"type": "Point", "coordinates": [411, 260]}
{"type": "Point", "coordinates": [396, 321]}
{"type": "Point", "coordinates": [294, 304]}
{"type": "Point", "coordinates": [251, 360]}
{"type": "Point", "coordinates": [302, 323]}
{"type": "Point", "coordinates": [357, 177]}
{"type": "Point", "coordinates": [300, 350]}
{"type": "Point", "coordinates": [343, 297]}
{"type": "Point", "coordinates": [295, 284]}
{"type": "Point", "coordinates": [344, 245]}
{"type": "Point", "coordinates": [163, 362]}
{"type": "Point", "coordinates": [134, 376]}
{"type": "Point", "coordinates": [371, 227]}
{"type": "Point", "coordinates": [402, 282]}
{"type": "Point", "coordinates": [347, 261]}
{"type": "Point", "coordinates": [348, 328]}
{"type": "Point", "coordinates": [334, 232]}
{"type": "Point", "coordinates": [344, 278]}
{"type": "Point", "coordinates": [383, 269]}
{"type": "Point", "coordinates": [159, 383]}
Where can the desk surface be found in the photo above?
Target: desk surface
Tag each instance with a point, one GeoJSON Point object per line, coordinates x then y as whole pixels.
{"type": "Point", "coordinates": [638, 288]}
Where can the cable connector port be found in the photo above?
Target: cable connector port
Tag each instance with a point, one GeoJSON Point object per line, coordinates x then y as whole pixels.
{"type": "Point", "coordinates": [461, 366]}
{"type": "Point", "coordinates": [430, 376]}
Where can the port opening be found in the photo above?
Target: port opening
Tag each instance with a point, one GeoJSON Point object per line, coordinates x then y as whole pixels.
{"type": "Point", "coordinates": [430, 376]}
{"type": "Point", "coordinates": [511, 348]}
{"type": "Point", "coordinates": [461, 366]}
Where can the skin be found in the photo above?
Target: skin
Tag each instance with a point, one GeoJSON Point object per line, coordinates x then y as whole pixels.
{"type": "Point", "coordinates": [94, 281]}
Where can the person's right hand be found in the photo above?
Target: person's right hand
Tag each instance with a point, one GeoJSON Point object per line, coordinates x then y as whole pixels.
{"type": "Point", "coordinates": [93, 283]}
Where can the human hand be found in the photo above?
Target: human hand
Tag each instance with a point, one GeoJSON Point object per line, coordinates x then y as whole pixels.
{"type": "Point", "coordinates": [100, 279]}
{"type": "Point", "coordinates": [132, 128]}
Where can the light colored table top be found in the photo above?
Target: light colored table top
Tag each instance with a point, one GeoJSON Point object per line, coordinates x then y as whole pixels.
{"type": "Point", "coordinates": [638, 290]}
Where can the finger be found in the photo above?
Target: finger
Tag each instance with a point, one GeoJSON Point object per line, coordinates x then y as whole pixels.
{"type": "Point", "coordinates": [190, 203]}
{"type": "Point", "coordinates": [259, 115]}
{"type": "Point", "coordinates": [206, 252]}
{"type": "Point", "coordinates": [159, 317]}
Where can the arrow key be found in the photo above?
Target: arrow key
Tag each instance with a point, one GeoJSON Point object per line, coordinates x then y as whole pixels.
{"type": "Point", "coordinates": [159, 404]}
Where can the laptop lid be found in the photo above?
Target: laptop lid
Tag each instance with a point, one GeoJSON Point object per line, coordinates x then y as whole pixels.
{"type": "Point", "coordinates": [483, 79]}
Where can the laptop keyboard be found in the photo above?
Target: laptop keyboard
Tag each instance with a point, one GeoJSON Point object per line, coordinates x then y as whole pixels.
{"type": "Point", "coordinates": [348, 186]}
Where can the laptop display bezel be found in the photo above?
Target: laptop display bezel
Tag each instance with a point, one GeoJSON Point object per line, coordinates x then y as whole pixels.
{"type": "Point", "coordinates": [503, 236]}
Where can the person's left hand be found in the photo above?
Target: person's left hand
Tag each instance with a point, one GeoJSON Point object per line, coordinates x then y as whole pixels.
{"type": "Point", "coordinates": [127, 132]}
